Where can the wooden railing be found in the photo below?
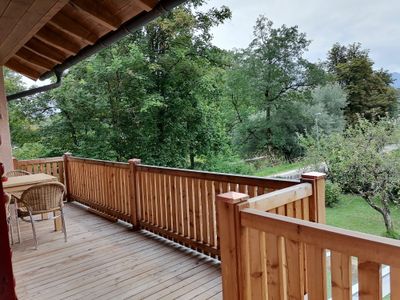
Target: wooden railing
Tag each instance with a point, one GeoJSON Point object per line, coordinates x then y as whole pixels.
{"type": "Point", "coordinates": [102, 185]}
{"type": "Point", "coordinates": [269, 256]}
{"type": "Point", "coordinates": [175, 203]}
{"type": "Point", "coordinates": [52, 166]}
{"type": "Point", "coordinates": [180, 204]}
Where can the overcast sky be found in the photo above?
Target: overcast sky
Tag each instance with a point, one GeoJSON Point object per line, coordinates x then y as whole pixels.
{"type": "Point", "coordinates": [373, 23]}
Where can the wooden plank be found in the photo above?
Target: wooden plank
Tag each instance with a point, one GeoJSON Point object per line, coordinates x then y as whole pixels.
{"type": "Point", "coordinates": [180, 212]}
{"type": "Point", "coordinates": [212, 228]}
{"type": "Point", "coordinates": [369, 280]}
{"type": "Point", "coordinates": [50, 272]}
{"type": "Point", "coordinates": [281, 197]}
{"type": "Point", "coordinates": [146, 5]}
{"type": "Point", "coordinates": [72, 26]}
{"type": "Point", "coordinates": [197, 210]}
{"type": "Point", "coordinates": [294, 258]}
{"type": "Point", "coordinates": [185, 207]}
{"type": "Point", "coordinates": [34, 58]}
{"type": "Point", "coordinates": [16, 65]}
{"type": "Point", "coordinates": [204, 212]}
{"type": "Point", "coordinates": [100, 14]}
{"type": "Point", "coordinates": [341, 276]}
{"type": "Point", "coordinates": [274, 279]}
{"type": "Point", "coordinates": [58, 39]}
{"type": "Point", "coordinates": [258, 264]}
{"type": "Point", "coordinates": [394, 283]}
{"type": "Point", "coordinates": [222, 177]}
{"type": "Point", "coordinates": [191, 212]}
{"type": "Point", "coordinates": [316, 273]}
{"type": "Point", "coordinates": [25, 20]}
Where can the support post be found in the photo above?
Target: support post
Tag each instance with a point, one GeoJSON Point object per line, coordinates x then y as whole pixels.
{"type": "Point", "coordinates": [66, 174]}
{"type": "Point", "coordinates": [317, 199]}
{"type": "Point", "coordinates": [135, 192]}
{"type": "Point", "coordinates": [15, 163]}
{"type": "Point", "coordinates": [5, 137]}
{"type": "Point", "coordinates": [229, 231]}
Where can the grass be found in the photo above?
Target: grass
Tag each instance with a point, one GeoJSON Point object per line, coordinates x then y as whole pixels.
{"type": "Point", "coordinates": [268, 171]}
{"type": "Point", "coordinates": [355, 214]}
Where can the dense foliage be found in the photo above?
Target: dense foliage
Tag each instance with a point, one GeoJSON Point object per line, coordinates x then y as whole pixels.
{"type": "Point", "coordinates": [361, 162]}
{"type": "Point", "coordinates": [168, 96]}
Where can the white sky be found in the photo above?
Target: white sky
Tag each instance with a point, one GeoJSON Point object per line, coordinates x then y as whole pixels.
{"type": "Point", "coordinates": [373, 23]}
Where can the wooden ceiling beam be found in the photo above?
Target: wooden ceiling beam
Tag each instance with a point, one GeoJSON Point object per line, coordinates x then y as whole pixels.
{"type": "Point", "coordinates": [46, 50]}
{"type": "Point", "coordinates": [100, 14]}
{"type": "Point", "coordinates": [73, 27]}
{"type": "Point", "coordinates": [146, 5]}
{"type": "Point", "coordinates": [17, 66]}
{"type": "Point", "coordinates": [22, 20]}
{"type": "Point", "coordinates": [58, 39]}
{"type": "Point", "coordinates": [35, 59]}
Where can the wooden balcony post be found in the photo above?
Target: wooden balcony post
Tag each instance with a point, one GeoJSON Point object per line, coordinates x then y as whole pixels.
{"type": "Point", "coordinates": [66, 173]}
{"type": "Point", "coordinates": [15, 163]}
{"type": "Point", "coordinates": [229, 231]}
{"type": "Point", "coordinates": [135, 192]}
{"type": "Point", "coordinates": [317, 199]}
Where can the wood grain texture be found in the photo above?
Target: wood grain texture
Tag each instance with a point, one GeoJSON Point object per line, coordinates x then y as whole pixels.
{"type": "Point", "coordinates": [142, 265]}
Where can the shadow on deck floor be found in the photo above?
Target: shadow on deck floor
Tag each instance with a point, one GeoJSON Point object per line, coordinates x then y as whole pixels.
{"type": "Point", "coordinates": [104, 260]}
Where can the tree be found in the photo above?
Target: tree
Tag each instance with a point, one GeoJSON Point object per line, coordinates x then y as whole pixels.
{"type": "Point", "coordinates": [370, 93]}
{"type": "Point", "coordinates": [327, 108]}
{"type": "Point", "coordinates": [358, 162]}
{"type": "Point", "coordinates": [272, 79]}
{"type": "Point", "coordinates": [154, 95]}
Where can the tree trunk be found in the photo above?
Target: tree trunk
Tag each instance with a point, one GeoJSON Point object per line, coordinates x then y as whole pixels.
{"type": "Point", "coordinates": [388, 220]}
{"type": "Point", "coordinates": [191, 155]}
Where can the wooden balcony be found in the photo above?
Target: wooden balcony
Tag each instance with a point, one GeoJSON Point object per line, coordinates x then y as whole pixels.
{"type": "Point", "coordinates": [265, 232]}
{"type": "Point", "coordinates": [105, 260]}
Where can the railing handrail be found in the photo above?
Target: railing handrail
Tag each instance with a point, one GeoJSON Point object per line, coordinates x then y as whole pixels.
{"type": "Point", "coordinates": [280, 197]}
{"type": "Point", "coordinates": [222, 177]}
{"type": "Point", "coordinates": [99, 161]}
{"type": "Point", "coordinates": [366, 246]}
{"type": "Point", "coordinates": [40, 160]}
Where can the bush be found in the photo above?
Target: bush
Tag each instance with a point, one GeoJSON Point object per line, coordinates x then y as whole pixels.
{"type": "Point", "coordinates": [332, 194]}
{"type": "Point", "coordinates": [30, 151]}
{"type": "Point", "coordinates": [227, 164]}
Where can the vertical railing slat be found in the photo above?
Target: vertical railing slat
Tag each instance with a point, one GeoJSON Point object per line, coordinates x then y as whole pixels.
{"type": "Point", "coordinates": [369, 280]}
{"type": "Point", "coordinates": [341, 276]}
{"type": "Point", "coordinates": [316, 272]}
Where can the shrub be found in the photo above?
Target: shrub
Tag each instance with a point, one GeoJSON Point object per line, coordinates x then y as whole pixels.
{"type": "Point", "coordinates": [332, 194]}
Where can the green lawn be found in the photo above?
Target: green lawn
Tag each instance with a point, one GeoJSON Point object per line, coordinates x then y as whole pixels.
{"type": "Point", "coordinates": [354, 213]}
{"type": "Point", "coordinates": [268, 171]}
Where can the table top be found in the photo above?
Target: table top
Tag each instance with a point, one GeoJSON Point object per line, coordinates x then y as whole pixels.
{"type": "Point", "coordinates": [20, 181]}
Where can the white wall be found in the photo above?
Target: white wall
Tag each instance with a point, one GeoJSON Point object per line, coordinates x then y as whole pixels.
{"type": "Point", "coordinates": [5, 143]}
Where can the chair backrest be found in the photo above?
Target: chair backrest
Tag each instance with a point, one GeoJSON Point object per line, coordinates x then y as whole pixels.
{"type": "Point", "coordinates": [15, 173]}
{"type": "Point", "coordinates": [44, 197]}
{"type": "Point", "coordinates": [8, 199]}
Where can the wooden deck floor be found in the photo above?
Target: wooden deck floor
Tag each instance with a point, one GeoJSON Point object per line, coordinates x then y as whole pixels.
{"type": "Point", "coordinates": [104, 260]}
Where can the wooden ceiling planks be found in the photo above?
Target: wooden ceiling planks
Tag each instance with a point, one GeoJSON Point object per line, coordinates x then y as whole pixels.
{"type": "Point", "coordinates": [21, 20]}
{"type": "Point", "coordinates": [45, 50]}
{"type": "Point", "coordinates": [98, 12]}
{"type": "Point", "coordinates": [62, 29]}
{"type": "Point", "coordinates": [64, 23]}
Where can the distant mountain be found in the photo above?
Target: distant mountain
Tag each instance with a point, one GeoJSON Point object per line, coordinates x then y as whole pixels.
{"type": "Point", "coordinates": [396, 79]}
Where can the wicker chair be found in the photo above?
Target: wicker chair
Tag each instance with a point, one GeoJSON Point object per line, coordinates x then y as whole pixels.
{"type": "Point", "coordinates": [40, 199]}
{"type": "Point", "coordinates": [15, 173]}
{"type": "Point", "coordinates": [8, 216]}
